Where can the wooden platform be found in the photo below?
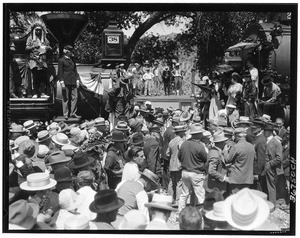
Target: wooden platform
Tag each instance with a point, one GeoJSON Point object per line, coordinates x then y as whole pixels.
{"type": "Point", "coordinates": [183, 102]}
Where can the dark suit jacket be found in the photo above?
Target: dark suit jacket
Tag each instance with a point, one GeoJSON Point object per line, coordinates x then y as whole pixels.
{"type": "Point", "coordinates": [216, 170]}
{"type": "Point", "coordinates": [274, 155]}
{"type": "Point", "coordinates": [67, 71]}
{"type": "Point", "coordinates": [169, 134]}
{"type": "Point", "coordinates": [152, 154]}
{"type": "Point", "coordinates": [241, 157]}
{"type": "Point", "coordinates": [260, 145]}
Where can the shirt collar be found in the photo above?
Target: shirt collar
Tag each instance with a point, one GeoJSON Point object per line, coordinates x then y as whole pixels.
{"type": "Point", "coordinates": [269, 138]}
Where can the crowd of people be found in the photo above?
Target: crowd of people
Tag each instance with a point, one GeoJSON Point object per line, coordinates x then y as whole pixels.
{"type": "Point", "coordinates": [137, 173]}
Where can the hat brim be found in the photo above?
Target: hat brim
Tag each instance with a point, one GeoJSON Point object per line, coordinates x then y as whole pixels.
{"type": "Point", "coordinates": [16, 131]}
{"type": "Point", "coordinates": [30, 221]}
{"type": "Point", "coordinates": [158, 123]}
{"type": "Point", "coordinates": [262, 213]}
{"type": "Point", "coordinates": [24, 186]}
{"type": "Point", "coordinates": [58, 143]}
{"type": "Point", "coordinates": [185, 119]}
{"type": "Point", "coordinates": [224, 139]}
{"type": "Point", "coordinates": [243, 122]}
{"type": "Point", "coordinates": [66, 179]}
{"type": "Point", "coordinates": [161, 206]}
{"type": "Point", "coordinates": [106, 208]}
{"type": "Point", "coordinates": [122, 129]}
{"type": "Point", "coordinates": [180, 130]}
{"type": "Point", "coordinates": [48, 128]}
{"type": "Point", "coordinates": [152, 180]}
{"type": "Point", "coordinates": [71, 164]}
{"type": "Point", "coordinates": [210, 215]}
{"type": "Point", "coordinates": [196, 132]}
{"type": "Point", "coordinates": [38, 141]}
{"type": "Point", "coordinates": [30, 127]}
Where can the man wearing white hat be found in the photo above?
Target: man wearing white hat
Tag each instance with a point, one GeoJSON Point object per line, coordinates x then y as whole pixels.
{"type": "Point", "coordinates": [230, 113]}
{"type": "Point", "coordinates": [160, 210]}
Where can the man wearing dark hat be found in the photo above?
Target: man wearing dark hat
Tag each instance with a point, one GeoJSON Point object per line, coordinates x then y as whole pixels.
{"type": "Point", "coordinates": [270, 94]}
{"type": "Point", "coordinates": [69, 79]}
{"type": "Point", "coordinates": [193, 157]}
{"type": "Point", "coordinates": [241, 157]}
{"type": "Point", "coordinates": [106, 205]}
{"type": "Point", "coordinates": [114, 162]}
{"type": "Point", "coordinates": [166, 77]}
{"type": "Point", "coordinates": [273, 165]}
{"type": "Point", "coordinates": [175, 165]}
{"type": "Point", "coordinates": [64, 179]}
{"type": "Point", "coordinates": [134, 193]}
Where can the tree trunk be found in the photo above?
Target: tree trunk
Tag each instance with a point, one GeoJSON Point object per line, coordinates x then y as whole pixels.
{"type": "Point", "coordinates": [156, 17]}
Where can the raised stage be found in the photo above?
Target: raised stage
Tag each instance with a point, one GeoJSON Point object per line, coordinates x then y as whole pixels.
{"type": "Point", "coordinates": [183, 102]}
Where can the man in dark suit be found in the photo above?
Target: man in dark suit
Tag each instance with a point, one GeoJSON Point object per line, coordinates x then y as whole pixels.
{"type": "Point", "coordinates": [69, 79]}
{"type": "Point", "coordinates": [273, 165]}
{"type": "Point", "coordinates": [241, 157]}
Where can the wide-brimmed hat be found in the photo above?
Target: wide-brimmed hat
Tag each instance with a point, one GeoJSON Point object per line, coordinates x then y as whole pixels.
{"type": "Point", "coordinates": [162, 202]}
{"type": "Point", "coordinates": [61, 139]}
{"type": "Point", "coordinates": [207, 134]}
{"type": "Point", "coordinates": [217, 213]}
{"type": "Point", "coordinates": [219, 136]}
{"type": "Point", "coordinates": [133, 220]}
{"type": "Point", "coordinates": [29, 125]}
{"type": "Point", "coordinates": [122, 126]}
{"type": "Point", "coordinates": [137, 138]}
{"type": "Point", "coordinates": [185, 116]}
{"type": "Point", "coordinates": [77, 222]}
{"type": "Point", "coordinates": [29, 148]}
{"type": "Point", "coordinates": [240, 131]}
{"type": "Point", "coordinates": [56, 158]}
{"type": "Point", "coordinates": [17, 129]}
{"type": "Point", "coordinates": [69, 150]}
{"type": "Point", "coordinates": [118, 136]}
{"type": "Point", "coordinates": [245, 210]}
{"type": "Point", "coordinates": [106, 201]}
{"type": "Point", "coordinates": [196, 119]}
{"type": "Point", "coordinates": [267, 80]}
{"type": "Point", "coordinates": [265, 118]}
{"type": "Point", "coordinates": [264, 196]}
{"type": "Point", "coordinates": [80, 160]}
{"type": "Point", "coordinates": [159, 121]}
{"type": "Point", "coordinates": [43, 151]}
{"type": "Point", "coordinates": [269, 126]}
{"type": "Point", "coordinates": [38, 182]}
{"type": "Point", "coordinates": [19, 141]}
{"type": "Point", "coordinates": [176, 118]}
{"type": "Point", "coordinates": [150, 175]}
{"type": "Point", "coordinates": [63, 126]}
{"type": "Point", "coordinates": [180, 128]}
{"type": "Point", "coordinates": [243, 120]}
{"type": "Point", "coordinates": [54, 126]}
{"type": "Point", "coordinates": [100, 121]}
{"type": "Point", "coordinates": [231, 106]}
{"type": "Point", "coordinates": [23, 214]}
{"type": "Point", "coordinates": [42, 136]}
{"type": "Point", "coordinates": [196, 129]}
{"type": "Point", "coordinates": [63, 174]}
{"type": "Point", "coordinates": [134, 124]}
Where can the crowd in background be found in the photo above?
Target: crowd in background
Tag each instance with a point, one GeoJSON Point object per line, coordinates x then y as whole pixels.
{"type": "Point", "coordinates": [227, 173]}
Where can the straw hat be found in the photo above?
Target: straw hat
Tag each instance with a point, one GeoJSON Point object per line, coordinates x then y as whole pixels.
{"type": "Point", "coordinates": [264, 196]}
{"type": "Point", "coordinates": [17, 129]}
{"type": "Point", "coordinates": [37, 182]}
{"type": "Point", "coordinates": [161, 201]}
{"type": "Point", "coordinates": [219, 136]}
{"type": "Point", "coordinates": [185, 116]}
{"type": "Point", "coordinates": [54, 126]}
{"type": "Point", "coordinates": [29, 125]}
{"type": "Point", "coordinates": [245, 210]}
{"type": "Point", "coordinates": [217, 213]}
{"type": "Point", "coordinates": [100, 121]}
{"type": "Point", "coordinates": [19, 141]}
{"type": "Point", "coordinates": [77, 222]}
{"type": "Point", "coordinates": [243, 120]}
{"type": "Point", "coordinates": [61, 139]}
{"type": "Point", "coordinates": [133, 220]}
{"type": "Point", "coordinates": [122, 126]}
{"type": "Point", "coordinates": [42, 136]}
{"type": "Point", "coordinates": [150, 175]}
{"type": "Point", "coordinates": [179, 128]}
{"type": "Point", "coordinates": [43, 151]}
{"type": "Point", "coordinates": [196, 129]}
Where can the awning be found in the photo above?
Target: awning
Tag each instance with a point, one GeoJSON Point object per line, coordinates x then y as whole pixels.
{"type": "Point", "coordinates": [242, 46]}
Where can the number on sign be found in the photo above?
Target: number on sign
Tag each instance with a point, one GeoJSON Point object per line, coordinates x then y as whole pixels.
{"type": "Point", "coordinates": [113, 39]}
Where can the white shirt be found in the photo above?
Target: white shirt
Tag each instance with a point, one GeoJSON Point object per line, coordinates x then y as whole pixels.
{"type": "Point", "coordinates": [89, 195]}
{"type": "Point", "coordinates": [254, 76]}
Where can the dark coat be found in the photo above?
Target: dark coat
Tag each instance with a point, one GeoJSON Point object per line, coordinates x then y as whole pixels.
{"type": "Point", "coordinates": [152, 154]}
{"type": "Point", "coordinates": [260, 145]}
{"type": "Point", "coordinates": [67, 71]}
{"type": "Point", "coordinates": [241, 157]}
{"type": "Point", "coordinates": [216, 170]}
{"type": "Point", "coordinates": [274, 156]}
{"type": "Point", "coordinates": [169, 134]}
